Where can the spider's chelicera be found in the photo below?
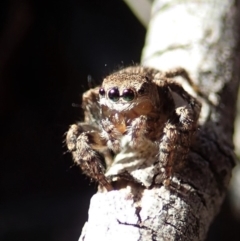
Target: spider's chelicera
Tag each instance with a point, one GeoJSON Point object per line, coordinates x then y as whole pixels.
{"type": "Point", "coordinates": [141, 121]}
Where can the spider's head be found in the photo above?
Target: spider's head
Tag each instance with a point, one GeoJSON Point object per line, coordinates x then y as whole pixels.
{"type": "Point", "coordinates": [127, 96]}
{"type": "Point", "coordinates": [128, 93]}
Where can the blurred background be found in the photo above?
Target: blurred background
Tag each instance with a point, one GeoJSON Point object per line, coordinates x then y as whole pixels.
{"type": "Point", "coordinates": [47, 51]}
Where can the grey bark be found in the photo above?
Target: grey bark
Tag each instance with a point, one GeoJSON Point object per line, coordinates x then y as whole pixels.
{"type": "Point", "coordinates": [200, 36]}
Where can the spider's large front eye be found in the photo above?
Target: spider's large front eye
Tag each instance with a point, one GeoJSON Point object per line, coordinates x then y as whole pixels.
{"type": "Point", "coordinates": [128, 95]}
{"type": "Point", "coordinates": [101, 92]}
{"type": "Point", "coordinates": [113, 94]}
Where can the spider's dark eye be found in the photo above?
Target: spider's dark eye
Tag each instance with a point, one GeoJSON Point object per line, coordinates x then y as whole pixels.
{"type": "Point", "coordinates": [101, 92]}
{"type": "Point", "coordinates": [128, 94]}
{"type": "Point", "coordinates": [113, 94]}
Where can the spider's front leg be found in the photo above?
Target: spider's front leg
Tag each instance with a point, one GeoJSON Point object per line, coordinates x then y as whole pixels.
{"type": "Point", "coordinates": [187, 108]}
{"type": "Point", "coordinates": [179, 130]}
{"type": "Point", "coordinates": [83, 141]}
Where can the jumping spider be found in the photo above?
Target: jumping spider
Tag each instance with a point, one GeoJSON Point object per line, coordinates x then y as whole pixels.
{"type": "Point", "coordinates": [141, 121]}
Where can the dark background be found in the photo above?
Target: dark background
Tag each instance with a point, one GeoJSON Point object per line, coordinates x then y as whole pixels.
{"type": "Point", "coordinates": [47, 50]}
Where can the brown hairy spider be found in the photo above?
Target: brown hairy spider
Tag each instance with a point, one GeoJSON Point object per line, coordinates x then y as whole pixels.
{"type": "Point", "coordinates": [141, 121]}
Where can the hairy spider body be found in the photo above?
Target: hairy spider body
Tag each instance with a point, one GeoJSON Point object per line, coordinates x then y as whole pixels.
{"type": "Point", "coordinates": [141, 121]}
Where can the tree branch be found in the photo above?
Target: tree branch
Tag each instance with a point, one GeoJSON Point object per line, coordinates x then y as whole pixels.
{"type": "Point", "coordinates": [201, 37]}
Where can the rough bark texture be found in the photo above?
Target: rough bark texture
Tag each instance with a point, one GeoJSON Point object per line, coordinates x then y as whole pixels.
{"type": "Point", "coordinates": [201, 37]}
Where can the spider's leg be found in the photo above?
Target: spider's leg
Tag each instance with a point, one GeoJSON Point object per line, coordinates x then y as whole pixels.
{"type": "Point", "coordinates": [90, 105]}
{"type": "Point", "coordinates": [179, 129]}
{"type": "Point", "coordinates": [179, 72]}
{"type": "Point", "coordinates": [184, 74]}
{"type": "Point", "coordinates": [187, 108]}
{"type": "Point", "coordinates": [84, 145]}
